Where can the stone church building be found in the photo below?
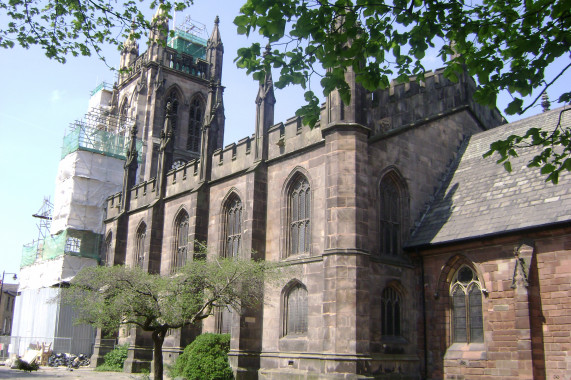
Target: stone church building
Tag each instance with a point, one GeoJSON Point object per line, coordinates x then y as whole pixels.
{"type": "Point", "coordinates": [417, 258]}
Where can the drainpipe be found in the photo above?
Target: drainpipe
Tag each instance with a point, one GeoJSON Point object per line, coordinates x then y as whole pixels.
{"type": "Point", "coordinates": [424, 316]}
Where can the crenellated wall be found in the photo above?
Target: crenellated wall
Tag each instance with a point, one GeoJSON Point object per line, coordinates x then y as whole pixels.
{"type": "Point", "coordinates": [183, 178]}
{"type": "Point", "coordinates": [233, 158]}
{"type": "Point", "coordinates": [292, 136]}
{"type": "Point", "coordinates": [407, 103]}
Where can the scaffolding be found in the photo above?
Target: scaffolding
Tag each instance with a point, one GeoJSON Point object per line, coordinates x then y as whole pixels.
{"type": "Point", "coordinates": [69, 242]}
{"type": "Point", "coordinates": [35, 249]}
{"type": "Point", "coordinates": [190, 38]}
{"type": "Point", "coordinates": [101, 132]}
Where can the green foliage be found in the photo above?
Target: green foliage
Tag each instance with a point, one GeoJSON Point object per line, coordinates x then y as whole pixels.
{"type": "Point", "coordinates": [107, 297]}
{"type": "Point", "coordinates": [205, 359]}
{"type": "Point", "coordinates": [505, 45]}
{"type": "Point", "coordinates": [27, 367]}
{"type": "Point", "coordinates": [555, 145]}
{"type": "Point", "coordinates": [71, 27]}
{"type": "Point", "coordinates": [115, 359]}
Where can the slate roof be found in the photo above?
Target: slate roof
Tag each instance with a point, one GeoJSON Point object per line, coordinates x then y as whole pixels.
{"type": "Point", "coordinates": [480, 198]}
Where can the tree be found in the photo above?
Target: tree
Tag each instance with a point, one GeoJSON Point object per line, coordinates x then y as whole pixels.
{"type": "Point", "coordinates": [504, 45]}
{"type": "Point", "coordinates": [108, 297]}
{"type": "Point", "coordinates": [79, 27]}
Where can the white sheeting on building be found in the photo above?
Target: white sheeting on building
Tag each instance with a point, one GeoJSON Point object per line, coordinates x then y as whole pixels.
{"type": "Point", "coordinates": [51, 272]}
{"type": "Point", "coordinates": [84, 181]}
{"type": "Point", "coordinates": [39, 317]}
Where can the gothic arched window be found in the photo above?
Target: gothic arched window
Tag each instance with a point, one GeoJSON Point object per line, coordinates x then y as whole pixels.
{"type": "Point", "coordinates": [181, 239]}
{"type": "Point", "coordinates": [390, 313]}
{"type": "Point", "coordinates": [467, 318]}
{"type": "Point", "coordinates": [391, 216]}
{"type": "Point", "coordinates": [224, 320]}
{"type": "Point", "coordinates": [140, 245]}
{"type": "Point", "coordinates": [195, 125]}
{"type": "Point", "coordinates": [299, 216]}
{"type": "Point", "coordinates": [107, 249]}
{"type": "Point", "coordinates": [295, 315]}
{"type": "Point", "coordinates": [232, 226]}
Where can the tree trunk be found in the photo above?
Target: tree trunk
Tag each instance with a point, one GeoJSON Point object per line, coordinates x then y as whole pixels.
{"type": "Point", "coordinates": [158, 340]}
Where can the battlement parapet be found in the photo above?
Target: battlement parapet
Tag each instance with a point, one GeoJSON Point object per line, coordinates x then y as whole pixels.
{"type": "Point", "coordinates": [183, 178]}
{"type": "Point", "coordinates": [172, 59]}
{"type": "Point", "coordinates": [143, 193]}
{"type": "Point", "coordinates": [406, 103]}
{"type": "Point", "coordinates": [113, 203]}
{"type": "Point", "coordinates": [233, 158]}
{"type": "Point", "coordinates": [293, 135]}
{"type": "Point", "coordinates": [185, 63]}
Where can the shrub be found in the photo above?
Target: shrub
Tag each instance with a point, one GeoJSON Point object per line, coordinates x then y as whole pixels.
{"type": "Point", "coordinates": [114, 360]}
{"type": "Point", "coordinates": [205, 359]}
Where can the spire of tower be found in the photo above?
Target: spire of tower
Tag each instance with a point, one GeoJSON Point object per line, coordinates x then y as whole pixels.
{"type": "Point", "coordinates": [160, 25]}
{"type": "Point", "coordinates": [215, 52]}
{"type": "Point", "coordinates": [265, 101]}
{"type": "Point", "coordinates": [215, 40]}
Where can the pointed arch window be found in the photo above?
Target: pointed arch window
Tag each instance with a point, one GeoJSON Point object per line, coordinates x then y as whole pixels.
{"type": "Point", "coordinates": [181, 240]}
{"type": "Point", "coordinates": [391, 216]}
{"type": "Point", "coordinates": [390, 312]}
{"type": "Point", "coordinates": [140, 245]}
{"type": "Point", "coordinates": [467, 317]}
{"type": "Point", "coordinates": [233, 226]}
{"type": "Point", "coordinates": [107, 249]}
{"type": "Point", "coordinates": [299, 216]}
{"type": "Point", "coordinates": [195, 125]}
{"type": "Point", "coordinates": [224, 320]}
{"type": "Point", "coordinates": [295, 316]}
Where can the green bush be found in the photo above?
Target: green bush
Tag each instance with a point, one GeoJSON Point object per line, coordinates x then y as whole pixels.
{"type": "Point", "coordinates": [205, 359]}
{"type": "Point", "coordinates": [114, 360]}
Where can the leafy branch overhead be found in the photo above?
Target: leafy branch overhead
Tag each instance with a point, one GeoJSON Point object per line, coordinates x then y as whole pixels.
{"type": "Point", "coordinates": [505, 45]}
{"type": "Point", "coordinates": [554, 145]}
{"type": "Point", "coordinates": [66, 28]}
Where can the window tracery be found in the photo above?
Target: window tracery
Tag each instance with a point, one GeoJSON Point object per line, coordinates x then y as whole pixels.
{"type": "Point", "coordinates": [181, 239]}
{"type": "Point", "coordinates": [195, 125]}
{"type": "Point", "coordinates": [299, 216]}
{"type": "Point", "coordinates": [295, 315]}
{"type": "Point", "coordinates": [467, 316]}
{"type": "Point", "coordinates": [390, 312]}
{"type": "Point", "coordinates": [233, 226]}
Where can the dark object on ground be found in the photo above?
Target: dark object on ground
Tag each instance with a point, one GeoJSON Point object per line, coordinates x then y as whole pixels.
{"type": "Point", "coordinates": [27, 367]}
{"type": "Point", "coordinates": [69, 360]}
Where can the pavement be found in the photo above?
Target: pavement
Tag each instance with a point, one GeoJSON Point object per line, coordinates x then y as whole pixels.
{"type": "Point", "coordinates": [64, 373]}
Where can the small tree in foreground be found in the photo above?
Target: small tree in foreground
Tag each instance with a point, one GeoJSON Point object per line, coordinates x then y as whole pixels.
{"type": "Point", "coordinates": [107, 297]}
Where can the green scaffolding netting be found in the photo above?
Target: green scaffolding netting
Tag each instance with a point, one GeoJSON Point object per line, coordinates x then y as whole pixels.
{"type": "Point", "coordinates": [188, 43]}
{"type": "Point", "coordinates": [69, 242]}
{"type": "Point", "coordinates": [83, 137]}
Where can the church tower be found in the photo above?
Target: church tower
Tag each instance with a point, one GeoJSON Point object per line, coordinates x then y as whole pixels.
{"type": "Point", "coordinates": [180, 73]}
{"type": "Point", "coordinates": [173, 93]}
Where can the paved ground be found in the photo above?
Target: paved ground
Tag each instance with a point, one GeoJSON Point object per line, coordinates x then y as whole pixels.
{"type": "Point", "coordinates": [63, 373]}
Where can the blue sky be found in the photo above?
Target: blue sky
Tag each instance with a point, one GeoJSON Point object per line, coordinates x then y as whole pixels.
{"type": "Point", "coordinates": [40, 98]}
